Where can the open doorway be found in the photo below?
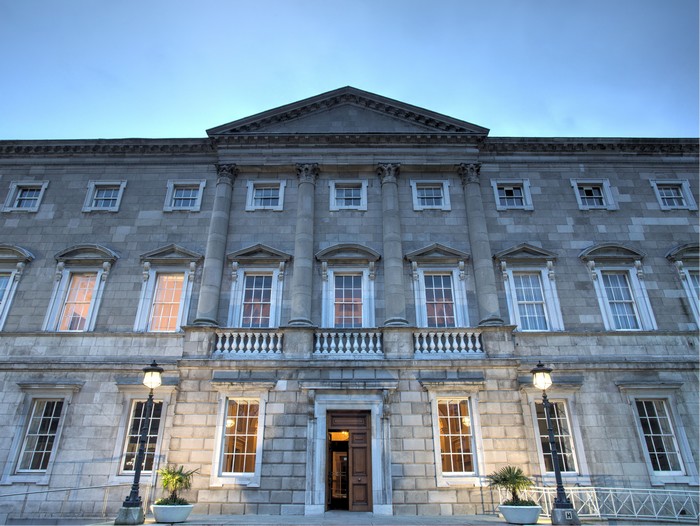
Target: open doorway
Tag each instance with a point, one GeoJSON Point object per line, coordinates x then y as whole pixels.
{"type": "Point", "coordinates": [349, 461]}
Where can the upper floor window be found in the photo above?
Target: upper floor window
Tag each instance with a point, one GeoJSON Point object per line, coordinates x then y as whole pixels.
{"type": "Point", "coordinates": [104, 195]}
{"type": "Point", "coordinates": [184, 195]}
{"type": "Point", "coordinates": [594, 194]}
{"type": "Point", "coordinates": [439, 286]}
{"type": "Point", "coordinates": [618, 280]}
{"type": "Point", "coordinates": [265, 195]}
{"type": "Point", "coordinates": [257, 275]}
{"type": "Point", "coordinates": [674, 195]}
{"type": "Point", "coordinates": [348, 286]}
{"type": "Point", "coordinates": [25, 196]}
{"type": "Point", "coordinates": [348, 195]}
{"type": "Point", "coordinates": [512, 194]}
{"type": "Point", "coordinates": [686, 258]}
{"type": "Point", "coordinates": [168, 275]}
{"type": "Point", "coordinates": [81, 273]}
{"type": "Point", "coordinates": [430, 195]}
{"type": "Point", "coordinates": [13, 260]}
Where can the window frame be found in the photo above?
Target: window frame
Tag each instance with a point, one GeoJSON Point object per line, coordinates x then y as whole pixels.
{"type": "Point", "coordinates": [145, 309]}
{"type": "Point", "coordinates": [609, 202]}
{"type": "Point", "coordinates": [685, 193]}
{"type": "Point", "coordinates": [252, 185]}
{"type": "Point", "coordinates": [334, 185]}
{"type": "Point", "coordinates": [173, 185]}
{"type": "Point", "coordinates": [235, 390]}
{"type": "Point", "coordinates": [459, 295]}
{"type": "Point", "coordinates": [328, 296]}
{"type": "Point", "coordinates": [131, 408]}
{"type": "Point", "coordinates": [13, 195]}
{"type": "Point", "coordinates": [33, 391]}
{"type": "Point", "coordinates": [668, 392]}
{"type": "Point", "coordinates": [552, 307]}
{"type": "Point", "coordinates": [637, 289]}
{"type": "Point", "coordinates": [457, 390]}
{"type": "Point", "coordinates": [91, 194]}
{"type": "Point", "coordinates": [13, 261]}
{"type": "Point", "coordinates": [445, 188]}
{"type": "Point", "coordinates": [523, 184]}
{"type": "Point", "coordinates": [238, 288]}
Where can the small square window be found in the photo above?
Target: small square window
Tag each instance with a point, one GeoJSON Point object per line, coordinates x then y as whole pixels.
{"type": "Point", "coordinates": [25, 196]}
{"type": "Point", "coordinates": [594, 194]}
{"type": "Point", "coordinates": [512, 194]}
{"type": "Point", "coordinates": [184, 195]}
{"type": "Point", "coordinates": [265, 195]}
{"type": "Point", "coordinates": [104, 195]}
{"type": "Point", "coordinates": [348, 195]}
{"type": "Point", "coordinates": [674, 195]}
{"type": "Point", "coordinates": [430, 195]}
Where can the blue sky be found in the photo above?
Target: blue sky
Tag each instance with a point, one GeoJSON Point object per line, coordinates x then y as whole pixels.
{"type": "Point", "coordinates": [87, 69]}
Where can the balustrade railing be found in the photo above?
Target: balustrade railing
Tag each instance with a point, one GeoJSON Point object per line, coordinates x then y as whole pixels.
{"type": "Point", "coordinates": [240, 342]}
{"type": "Point", "coordinates": [622, 503]}
{"type": "Point", "coordinates": [348, 343]}
{"type": "Point", "coordinates": [447, 341]}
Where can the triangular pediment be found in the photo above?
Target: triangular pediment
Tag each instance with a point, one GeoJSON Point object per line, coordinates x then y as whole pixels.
{"type": "Point", "coordinates": [437, 253]}
{"type": "Point", "coordinates": [525, 252]}
{"type": "Point", "coordinates": [348, 110]}
{"type": "Point", "coordinates": [258, 255]}
{"type": "Point", "coordinates": [171, 254]}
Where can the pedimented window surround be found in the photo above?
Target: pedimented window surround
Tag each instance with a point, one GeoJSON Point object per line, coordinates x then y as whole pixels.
{"type": "Point", "coordinates": [685, 258]}
{"type": "Point", "coordinates": [13, 260]}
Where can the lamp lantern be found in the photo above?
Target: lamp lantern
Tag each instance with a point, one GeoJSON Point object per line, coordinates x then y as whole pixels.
{"type": "Point", "coordinates": [152, 375]}
{"type": "Point", "coordinates": [541, 377]}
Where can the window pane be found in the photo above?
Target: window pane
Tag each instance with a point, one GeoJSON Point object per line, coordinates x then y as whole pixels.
{"type": "Point", "coordinates": [27, 197]}
{"type": "Point", "coordinates": [530, 301]}
{"type": "Point", "coordinates": [562, 437]}
{"type": "Point", "coordinates": [347, 301]}
{"type": "Point", "coordinates": [620, 301]}
{"type": "Point", "coordinates": [256, 301]}
{"type": "Point", "coordinates": [166, 302]}
{"type": "Point", "coordinates": [591, 196]}
{"type": "Point", "coordinates": [660, 442]}
{"type": "Point", "coordinates": [41, 435]}
{"type": "Point", "coordinates": [78, 300]}
{"type": "Point", "coordinates": [240, 436]}
{"type": "Point", "coordinates": [266, 196]}
{"type": "Point", "coordinates": [439, 301]}
{"type": "Point", "coordinates": [185, 196]}
{"type": "Point", "coordinates": [4, 282]}
{"type": "Point", "coordinates": [456, 448]}
{"type": "Point", "coordinates": [105, 197]}
{"type": "Point", "coordinates": [429, 195]}
{"type": "Point", "coordinates": [671, 196]}
{"type": "Point", "coordinates": [348, 196]}
{"type": "Point", "coordinates": [133, 435]}
{"type": "Point", "coordinates": [511, 196]}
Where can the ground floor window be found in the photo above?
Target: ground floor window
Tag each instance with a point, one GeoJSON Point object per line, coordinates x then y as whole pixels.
{"type": "Point", "coordinates": [40, 435]}
{"type": "Point", "coordinates": [456, 437]}
{"type": "Point", "coordinates": [659, 439]}
{"type": "Point", "coordinates": [240, 436]}
{"type": "Point", "coordinates": [131, 445]}
{"type": "Point", "coordinates": [563, 438]}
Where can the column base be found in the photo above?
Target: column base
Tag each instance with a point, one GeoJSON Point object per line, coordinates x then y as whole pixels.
{"type": "Point", "coordinates": [130, 516]}
{"type": "Point", "coordinates": [492, 321]}
{"type": "Point", "coordinates": [205, 322]}
{"type": "Point", "coordinates": [565, 516]}
{"type": "Point", "coordinates": [301, 322]}
{"type": "Point", "coordinates": [395, 322]}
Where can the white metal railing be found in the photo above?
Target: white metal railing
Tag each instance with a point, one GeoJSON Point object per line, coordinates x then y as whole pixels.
{"type": "Point", "coordinates": [240, 342]}
{"type": "Point", "coordinates": [447, 342]}
{"type": "Point", "coordinates": [348, 343]}
{"type": "Point", "coordinates": [68, 503]}
{"type": "Point", "coordinates": [622, 503]}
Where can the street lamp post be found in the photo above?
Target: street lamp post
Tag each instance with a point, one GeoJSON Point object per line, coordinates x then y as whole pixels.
{"type": "Point", "coordinates": [563, 511]}
{"type": "Point", "coordinates": [131, 511]}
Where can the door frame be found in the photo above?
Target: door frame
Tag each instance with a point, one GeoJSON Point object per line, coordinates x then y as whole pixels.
{"type": "Point", "coordinates": [317, 446]}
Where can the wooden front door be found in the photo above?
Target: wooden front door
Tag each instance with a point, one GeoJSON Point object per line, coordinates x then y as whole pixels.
{"type": "Point", "coordinates": [349, 461]}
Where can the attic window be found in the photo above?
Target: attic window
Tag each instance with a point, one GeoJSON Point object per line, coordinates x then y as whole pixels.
{"type": "Point", "coordinates": [265, 195]}
{"type": "Point", "coordinates": [430, 195]}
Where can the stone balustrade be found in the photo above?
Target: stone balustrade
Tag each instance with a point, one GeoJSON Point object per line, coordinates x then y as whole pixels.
{"type": "Point", "coordinates": [447, 341]}
{"type": "Point", "coordinates": [254, 343]}
{"type": "Point", "coordinates": [348, 343]}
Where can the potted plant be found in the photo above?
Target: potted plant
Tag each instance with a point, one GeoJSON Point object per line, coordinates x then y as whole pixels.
{"type": "Point", "coordinates": [173, 508]}
{"type": "Point", "coordinates": [515, 510]}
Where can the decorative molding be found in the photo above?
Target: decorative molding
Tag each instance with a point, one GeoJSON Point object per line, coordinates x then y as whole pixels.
{"type": "Point", "coordinates": [388, 172]}
{"type": "Point", "coordinates": [308, 172]}
{"type": "Point", "coordinates": [469, 173]}
{"type": "Point", "coordinates": [108, 147]}
{"type": "Point", "coordinates": [226, 173]}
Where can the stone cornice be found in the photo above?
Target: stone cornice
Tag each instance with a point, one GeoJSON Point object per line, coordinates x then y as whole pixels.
{"type": "Point", "coordinates": [592, 145]}
{"type": "Point", "coordinates": [108, 147]}
{"type": "Point", "coordinates": [345, 139]}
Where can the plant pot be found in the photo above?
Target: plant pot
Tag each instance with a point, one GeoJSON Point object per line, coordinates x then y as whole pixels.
{"type": "Point", "coordinates": [520, 514]}
{"type": "Point", "coordinates": [167, 514]}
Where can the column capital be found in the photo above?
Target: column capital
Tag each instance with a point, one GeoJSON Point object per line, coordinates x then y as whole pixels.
{"type": "Point", "coordinates": [308, 172]}
{"type": "Point", "coordinates": [388, 172]}
{"type": "Point", "coordinates": [469, 172]}
{"type": "Point", "coordinates": [226, 172]}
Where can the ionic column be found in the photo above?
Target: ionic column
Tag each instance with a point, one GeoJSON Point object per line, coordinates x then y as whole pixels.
{"type": "Point", "coordinates": [394, 292]}
{"type": "Point", "coordinates": [302, 278]}
{"type": "Point", "coordinates": [484, 275]}
{"type": "Point", "coordinates": [213, 270]}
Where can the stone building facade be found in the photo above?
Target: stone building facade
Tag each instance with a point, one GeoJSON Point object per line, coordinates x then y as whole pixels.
{"type": "Point", "coordinates": [347, 295]}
